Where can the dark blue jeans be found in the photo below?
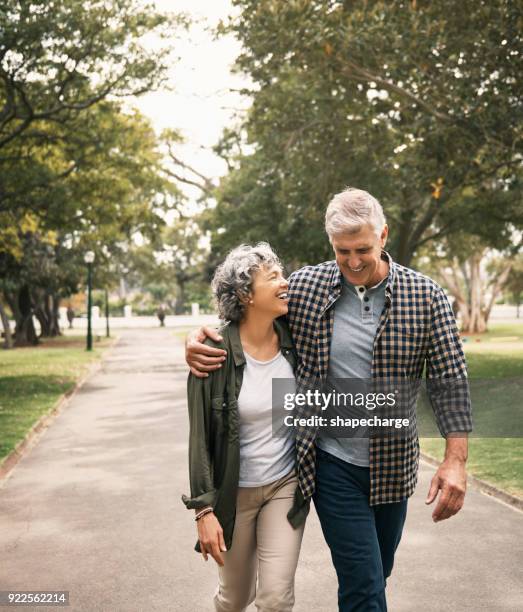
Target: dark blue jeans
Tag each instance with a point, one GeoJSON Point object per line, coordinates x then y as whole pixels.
{"type": "Point", "coordinates": [362, 538]}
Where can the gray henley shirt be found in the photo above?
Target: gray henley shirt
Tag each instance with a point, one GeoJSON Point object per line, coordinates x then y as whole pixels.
{"type": "Point", "coordinates": [356, 317]}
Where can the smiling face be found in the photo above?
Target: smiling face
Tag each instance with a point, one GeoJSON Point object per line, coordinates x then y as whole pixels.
{"type": "Point", "coordinates": [269, 292]}
{"type": "Point", "coordinates": [358, 256]}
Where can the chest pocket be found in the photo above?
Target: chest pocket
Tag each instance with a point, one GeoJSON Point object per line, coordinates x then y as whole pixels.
{"type": "Point", "coordinates": [224, 421]}
{"type": "Point", "coordinates": [407, 345]}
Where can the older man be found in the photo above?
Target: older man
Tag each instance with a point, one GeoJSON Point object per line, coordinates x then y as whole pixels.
{"type": "Point", "coordinates": [363, 316]}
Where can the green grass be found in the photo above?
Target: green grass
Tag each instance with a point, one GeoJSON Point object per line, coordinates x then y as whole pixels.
{"type": "Point", "coordinates": [32, 380]}
{"type": "Point", "coordinates": [181, 332]}
{"type": "Point", "coordinates": [495, 364]}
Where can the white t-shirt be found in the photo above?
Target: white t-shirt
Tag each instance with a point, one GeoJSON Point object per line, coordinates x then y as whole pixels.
{"type": "Point", "coordinates": [264, 458]}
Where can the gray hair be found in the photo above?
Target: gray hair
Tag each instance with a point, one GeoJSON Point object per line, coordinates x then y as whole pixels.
{"type": "Point", "coordinates": [352, 209]}
{"type": "Point", "coordinates": [232, 281]}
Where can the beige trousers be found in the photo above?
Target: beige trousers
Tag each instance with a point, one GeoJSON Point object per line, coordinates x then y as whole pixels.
{"type": "Point", "coordinates": [261, 563]}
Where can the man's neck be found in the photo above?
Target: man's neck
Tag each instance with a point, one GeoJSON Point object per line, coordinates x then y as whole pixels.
{"type": "Point", "coordinates": [381, 273]}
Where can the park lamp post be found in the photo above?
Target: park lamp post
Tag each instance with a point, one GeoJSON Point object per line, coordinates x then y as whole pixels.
{"type": "Point", "coordinates": [89, 258]}
{"type": "Point", "coordinates": [107, 332]}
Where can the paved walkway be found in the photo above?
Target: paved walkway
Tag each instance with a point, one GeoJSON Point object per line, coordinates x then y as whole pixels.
{"type": "Point", "coordinates": [95, 509]}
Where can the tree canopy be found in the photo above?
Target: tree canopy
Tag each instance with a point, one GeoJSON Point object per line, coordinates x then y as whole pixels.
{"type": "Point", "coordinates": [417, 102]}
{"type": "Point", "coordinates": [79, 168]}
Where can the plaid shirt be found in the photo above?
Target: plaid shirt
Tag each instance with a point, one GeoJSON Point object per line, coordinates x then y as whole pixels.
{"type": "Point", "coordinates": [416, 329]}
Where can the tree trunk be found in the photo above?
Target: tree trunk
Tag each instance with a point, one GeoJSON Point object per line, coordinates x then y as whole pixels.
{"type": "Point", "coordinates": [465, 281]}
{"type": "Point", "coordinates": [479, 312]}
{"type": "Point", "coordinates": [464, 314]}
{"type": "Point", "coordinates": [41, 315]}
{"type": "Point", "coordinates": [8, 339]}
{"type": "Point", "coordinates": [477, 323]}
{"type": "Point", "coordinates": [404, 252]}
{"type": "Point", "coordinates": [496, 289]}
{"type": "Point", "coordinates": [55, 317]}
{"type": "Point", "coordinates": [47, 314]}
{"type": "Point", "coordinates": [179, 305]}
{"type": "Point", "coordinates": [12, 301]}
{"type": "Point", "coordinates": [452, 281]}
{"type": "Point", "coordinates": [25, 329]}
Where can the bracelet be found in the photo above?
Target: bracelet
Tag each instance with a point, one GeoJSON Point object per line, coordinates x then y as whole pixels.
{"type": "Point", "coordinates": [203, 513]}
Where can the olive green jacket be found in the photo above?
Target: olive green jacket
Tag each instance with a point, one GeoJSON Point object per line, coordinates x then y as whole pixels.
{"type": "Point", "coordinates": [214, 448]}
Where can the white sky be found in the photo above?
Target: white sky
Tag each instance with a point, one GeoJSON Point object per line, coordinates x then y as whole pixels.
{"type": "Point", "coordinates": [201, 103]}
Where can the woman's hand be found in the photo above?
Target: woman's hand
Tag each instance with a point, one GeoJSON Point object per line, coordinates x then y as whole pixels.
{"type": "Point", "coordinates": [210, 534]}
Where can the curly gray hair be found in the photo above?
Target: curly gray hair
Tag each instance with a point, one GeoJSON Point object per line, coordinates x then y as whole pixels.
{"type": "Point", "coordinates": [232, 281]}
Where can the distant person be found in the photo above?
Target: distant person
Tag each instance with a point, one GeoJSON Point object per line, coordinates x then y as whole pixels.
{"type": "Point", "coordinates": [250, 512]}
{"type": "Point", "coordinates": [160, 313]}
{"type": "Point", "coordinates": [363, 316]}
{"type": "Point", "coordinates": [70, 316]}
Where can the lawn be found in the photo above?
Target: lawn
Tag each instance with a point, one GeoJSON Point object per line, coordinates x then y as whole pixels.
{"type": "Point", "coordinates": [495, 364]}
{"type": "Point", "coordinates": [181, 332]}
{"type": "Point", "coordinates": [32, 379]}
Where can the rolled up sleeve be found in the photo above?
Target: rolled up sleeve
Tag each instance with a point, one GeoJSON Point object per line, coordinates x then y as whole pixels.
{"type": "Point", "coordinates": [203, 491]}
{"type": "Point", "coordinates": [446, 370]}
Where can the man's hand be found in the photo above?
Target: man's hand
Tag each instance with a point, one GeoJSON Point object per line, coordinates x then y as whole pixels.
{"type": "Point", "coordinates": [451, 479]}
{"type": "Point", "coordinates": [202, 358]}
{"type": "Point", "coordinates": [210, 534]}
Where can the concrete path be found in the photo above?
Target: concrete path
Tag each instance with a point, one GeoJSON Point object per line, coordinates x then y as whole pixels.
{"type": "Point", "coordinates": [94, 508]}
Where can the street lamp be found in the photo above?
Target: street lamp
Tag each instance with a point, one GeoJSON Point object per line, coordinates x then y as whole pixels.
{"type": "Point", "coordinates": [107, 332]}
{"type": "Point", "coordinates": [89, 258]}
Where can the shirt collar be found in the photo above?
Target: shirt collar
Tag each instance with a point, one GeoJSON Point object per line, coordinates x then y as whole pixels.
{"type": "Point", "coordinates": [336, 276]}
{"type": "Point", "coordinates": [393, 273]}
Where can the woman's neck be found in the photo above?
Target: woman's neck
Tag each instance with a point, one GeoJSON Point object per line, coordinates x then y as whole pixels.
{"type": "Point", "coordinates": [258, 337]}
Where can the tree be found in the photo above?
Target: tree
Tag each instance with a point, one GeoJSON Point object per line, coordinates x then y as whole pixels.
{"type": "Point", "coordinates": [145, 267]}
{"type": "Point", "coordinates": [174, 267]}
{"type": "Point", "coordinates": [60, 58]}
{"type": "Point", "coordinates": [417, 102]}
{"type": "Point", "coordinates": [180, 171]}
{"type": "Point", "coordinates": [186, 254]}
{"type": "Point", "coordinates": [73, 165]}
{"type": "Point", "coordinates": [473, 288]}
{"type": "Point", "coordinates": [116, 190]}
{"type": "Point", "coordinates": [514, 284]}
{"type": "Point", "coordinates": [474, 274]}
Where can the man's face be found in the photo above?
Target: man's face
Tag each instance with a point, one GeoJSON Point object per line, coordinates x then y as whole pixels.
{"type": "Point", "coordinates": [359, 256]}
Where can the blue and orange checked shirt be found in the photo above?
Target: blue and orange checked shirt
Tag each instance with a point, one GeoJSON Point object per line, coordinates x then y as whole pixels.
{"type": "Point", "coordinates": [417, 331]}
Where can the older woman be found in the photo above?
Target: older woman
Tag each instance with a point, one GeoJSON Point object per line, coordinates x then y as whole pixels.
{"type": "Point", "coordinates": [250, 512]}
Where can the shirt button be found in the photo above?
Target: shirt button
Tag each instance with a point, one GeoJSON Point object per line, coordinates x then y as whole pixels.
{"type": "Point", "coordinates": [367, 308]}
{"type": "Point", "coordinates": [361, 289]}
{"type": "Point", "coordinates": [366, 299]}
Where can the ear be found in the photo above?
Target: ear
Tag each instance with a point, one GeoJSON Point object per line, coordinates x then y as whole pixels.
{"type": "Point", "coordinates": [384, 235]}
{"type": "Point", "coordinates": [246, 299]}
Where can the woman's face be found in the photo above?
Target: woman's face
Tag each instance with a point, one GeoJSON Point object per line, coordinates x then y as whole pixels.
{"type": "Point", "coordinates": [269, 292]}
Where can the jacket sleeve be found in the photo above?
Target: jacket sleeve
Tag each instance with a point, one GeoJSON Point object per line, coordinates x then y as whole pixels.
{"type": "Point", "coordinates": [203, 492]}
{"type": "Point", "coordinates": [447, 383]}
